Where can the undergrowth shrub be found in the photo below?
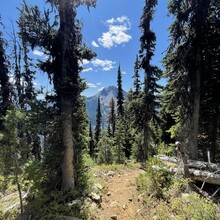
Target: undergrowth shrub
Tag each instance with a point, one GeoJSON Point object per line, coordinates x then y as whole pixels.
{"type": "Point", "coordinates": [53, 206]}
{"type": "Point", "coordinates": [187, 206]}
{"type": "Point", "coordinates": [169, 197]}
{"type": "Point", "coordinates": [154, 180]}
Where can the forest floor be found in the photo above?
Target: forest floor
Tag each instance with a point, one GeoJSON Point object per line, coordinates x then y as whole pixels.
{"type": "Point", "coordinates": [121, 200]}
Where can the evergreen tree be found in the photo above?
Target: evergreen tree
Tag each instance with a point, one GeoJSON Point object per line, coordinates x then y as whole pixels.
{"type": "Point", "coordinates": [63, 42]}
{"type": "Point", "coordinates": [91, 141]}
{"type": "Point", "coordinates": [26, 74]}
{"type": "Point", "coordinates": [136, 77]}
{"type": "Point", "coordinates": [98, 122]}
{"type": "Point", "coordinates": [111, 117]}
{"type": "Point", "coordinates": [189, 34]}
{"type": "Point", "coordinates": [5, 98]}
{"type": "Point", "coordinates": [105, 147]}
{"type": "Point", "coordinates": [151, 73]}
{"type": "Point", "coordinates": [119, 141]}
{"type": "Point", "coordinates": [11, 151]}
{"type": "Point", "coordinates": [120, 96]}
{"type": "Point", "coordinates": [209, 120]}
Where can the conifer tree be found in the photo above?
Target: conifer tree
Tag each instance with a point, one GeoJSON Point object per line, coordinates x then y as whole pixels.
{"type": "Point", "coordinates": [4, 82]}
{"type": "Point", "coordinates": [188, 34]}
{"type": "Point", "coordinates": [26, 74]}
{"type": "Point", "coordinates": [119, 141]}
{"type": "Point", "coordinates": [62, 41]}
{"type": "Point", "coordinates": [91, 141]}
{"type": "Point", "coordinates": [151, 73]}
{"type": "Point", "coordinates": [98, 122]}
{"type": "Point", "coordinates": [136, 77]}
{"type": "Point", "coordinates": [209, 120]}
{"type": "Point", "coordinates": [111, 117]}
{"type": "Point", "coordinates": [105, 147]}
{"type": "Point", "coordinates": [120, 96]}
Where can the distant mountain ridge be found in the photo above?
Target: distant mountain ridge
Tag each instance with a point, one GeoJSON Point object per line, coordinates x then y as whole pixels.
{"type": "Point", "coordinates": [105, 96]}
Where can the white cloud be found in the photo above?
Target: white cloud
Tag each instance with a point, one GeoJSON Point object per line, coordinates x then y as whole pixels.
{"type": "Point", "coordinates": [38, 53]}
{"type": "Point", "coordinates": [94, 44]}
{"type": "Point", "coordinates": [87, 69]}
{"type": "Point", "coordinates": [100, 89]}
{"type": "Point", "coordinates": [91, 85]}
{"type": "Point", "coordinates": [118, 20]}
{"type": "Point", "coordinates": [12, 80]}
{"type": "Point", "coordinates": [99, 83]}
{"type": "Point", "coordinates": [123, 72]}
{"type": "Point", "coordinates": [117, 32]}
{"type": "Point", "coordinates": [105, 64]}
{"type": "Point", "coordinates": [84, 62]}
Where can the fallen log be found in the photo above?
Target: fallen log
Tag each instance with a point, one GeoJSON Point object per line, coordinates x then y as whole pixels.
{"type": "Point", "coordinates": [197, 170]}
{"type": "Point", "coordinates": [204, 176]}
{"type": "Point", "coordinates": [200, 175]}
{"type": "Point", "coordinates": [201, 165]}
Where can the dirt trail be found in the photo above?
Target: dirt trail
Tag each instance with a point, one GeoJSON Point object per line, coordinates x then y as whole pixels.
{"type": "Point", "coordinates": [121, 201]}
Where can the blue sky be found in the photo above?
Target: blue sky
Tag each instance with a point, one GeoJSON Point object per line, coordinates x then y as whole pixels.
{"type": "Point", "coordinates": [111, 30]}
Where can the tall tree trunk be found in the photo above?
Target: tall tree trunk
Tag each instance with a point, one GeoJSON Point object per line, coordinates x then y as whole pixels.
{"type": "Point", "coordinates": [200, 24]}
{"type": "Point", "coordinates": [193, 140]}
{"type": "Point", "coordinates": [66, 97]}
{"type": "Point", "coordinates": [145, 143]}
{"type": "Point", "coordinates": [67, 141]}
{"type": "Point", "coordinates": [214, 134]}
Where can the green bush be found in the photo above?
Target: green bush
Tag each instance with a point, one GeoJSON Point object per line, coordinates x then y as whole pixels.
{"type": "Point", "coordinates": [192, 206]}
{"type": "Point", "coordinates": [52, 206]}
{"type": "Point", "coordinates": [155, 180]}
{"type": "Point", "coordinates": [169, 197]}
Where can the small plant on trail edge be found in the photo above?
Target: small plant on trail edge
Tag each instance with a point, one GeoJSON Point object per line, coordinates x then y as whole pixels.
{"type": "Point", "coordinates": [155, 180]}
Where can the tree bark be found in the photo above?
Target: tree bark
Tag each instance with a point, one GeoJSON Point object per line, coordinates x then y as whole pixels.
{"type": "Point", "coordinates": [68, 145]}
{"type": "Point", "coordinates": [200, 30]}
{"type": "Point", "coordinates": [193, 136]}
{"type": "Point", "coordinates": [66, 96]}
{"type": "Point", "coordinates": [214, 135]}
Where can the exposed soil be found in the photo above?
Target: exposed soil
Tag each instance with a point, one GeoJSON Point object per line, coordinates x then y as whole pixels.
{"type": "Point", "coordinates": [121, 201]}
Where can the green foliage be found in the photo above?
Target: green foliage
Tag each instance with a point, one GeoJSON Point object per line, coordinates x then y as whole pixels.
{"type": "Point", "coordinates": [186, 206]}
{"type": "Point", "coordinates": [13, 149]}
{"type": "Point", "coordinates": [53, 205]}
{"type": "Point", "coordinates": [105, 153]}
{"type": "Point", "coordinates": [155, 180]}
{"type": "Point", "coordinates": [194, 78]}
{"type": "Point", "coordinates": [120, 96]}
{"type": "Point", "coordinates": [34, 173]}
{"type": "Point", "coordinates": [119, 141]}
{"type": "Point", "coordinates": [91, 141]}
{"type": "Point", "coordinates": [166, 149]}
{"type": "Point", "coordinates": [151, 74]}
{"type": "Point", "coordinates": [137, 145]}
{"type": "Point", "coordinates": [111, 118]}
{"type": "Point", "coordinates": [169, 197]}
{"type": "Point", "coordinates": [98, 122]}
{"type": "Point", "coordinates": [5, 88]}
{"type": "Point", "coordinates": [136, 77]}
{"type": "Point", "coordinates": [10, 215]}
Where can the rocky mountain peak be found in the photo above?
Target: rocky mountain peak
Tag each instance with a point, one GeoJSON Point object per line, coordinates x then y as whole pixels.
{"type": "Point", "coordinates": [106, 94]}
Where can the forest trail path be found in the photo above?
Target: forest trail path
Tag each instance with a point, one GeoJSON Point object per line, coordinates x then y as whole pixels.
{"type": "Point", "coordinates": [121, 200]}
